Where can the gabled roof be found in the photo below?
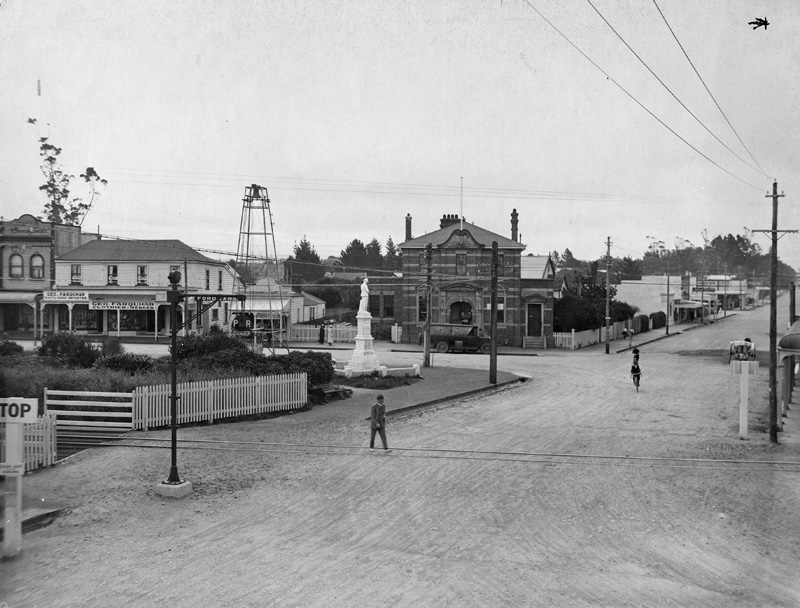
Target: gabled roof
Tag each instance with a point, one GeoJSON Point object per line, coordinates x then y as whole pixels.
{"type": "Point", "coordinates": [309, 300]}
{"type": "Point", "coordinates": [481, 235]}
{"type": "Point", "coordinates": [167, 250]}
{"type": "Point", "coordinates": [536, 267]}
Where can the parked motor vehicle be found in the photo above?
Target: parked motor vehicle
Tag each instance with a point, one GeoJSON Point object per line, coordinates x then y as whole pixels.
{"type": "Point", "coordinates": [447, 337]}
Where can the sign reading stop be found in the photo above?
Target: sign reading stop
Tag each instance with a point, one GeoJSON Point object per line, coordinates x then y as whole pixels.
{"type": "Point", "coordinates": [13, 409]}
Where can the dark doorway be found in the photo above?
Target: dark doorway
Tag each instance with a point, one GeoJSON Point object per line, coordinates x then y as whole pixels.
{"type": "Point", "coordinates": [534, 320]}
{"type": "Point", "coordinates": [461, 312]}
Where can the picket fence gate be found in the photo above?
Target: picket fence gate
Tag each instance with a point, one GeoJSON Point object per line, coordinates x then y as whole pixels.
{"type": "Point", "coordinates": [39, 443]}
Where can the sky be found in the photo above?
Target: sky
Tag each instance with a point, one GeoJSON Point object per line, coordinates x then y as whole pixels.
{"type": "Point", "coordinates": [354, 114]}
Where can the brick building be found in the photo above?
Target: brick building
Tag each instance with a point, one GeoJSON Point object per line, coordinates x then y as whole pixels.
{"type": "Point", "coordinates": [461, 283]}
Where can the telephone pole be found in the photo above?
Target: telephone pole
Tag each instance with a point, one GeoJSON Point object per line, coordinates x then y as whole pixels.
{"type": "Point", "coordinates": [669, 299]}
{"type": "Point", "coordinates": [608, 289]}
{"type": "Point", "coordinates": [773, 315]}
{"type": "Point", "coordinates": [493, 321]}
{"type": "Point", "coordinates": [426, 357]}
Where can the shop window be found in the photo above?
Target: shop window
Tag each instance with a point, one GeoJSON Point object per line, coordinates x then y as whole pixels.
{"type": "Point", "coordinates": [15, 264]}
{"type": "Point", "coordinates": [75, 274]}
{"type": "Point", "coordinates": [215, 314]}
{"type": "Point", "coordinates": [141, 275]}
{"type": "Point", "coordinates": [112, 275]}
{"type": "Point", "coordinates": [37, 266]}
{"type": "Point", "coordinates": [461, 263]}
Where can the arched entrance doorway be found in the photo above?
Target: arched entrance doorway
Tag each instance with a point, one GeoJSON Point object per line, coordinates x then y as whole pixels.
{"type": "Point", "coordinates": [461, 312]}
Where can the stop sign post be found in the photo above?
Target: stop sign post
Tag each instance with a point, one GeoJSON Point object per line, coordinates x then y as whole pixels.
{"type": "Point", "coordinates": [15, 412]}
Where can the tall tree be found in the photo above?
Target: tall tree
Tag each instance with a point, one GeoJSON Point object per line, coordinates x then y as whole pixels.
{"type": "Point", "coordinates": [374, 257]}
{"type": "Point", "coordinates": [60, 208]}
{"type": "Point", "coordinates": [305, 264]}
{"type": "Point", "coordinates": [392, 258]}
{"type": "Point", "coordinates": [355, 254]}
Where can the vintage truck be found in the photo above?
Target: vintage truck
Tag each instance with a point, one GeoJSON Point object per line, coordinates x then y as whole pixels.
{"type": "Point", "coordinates": [447, 337]}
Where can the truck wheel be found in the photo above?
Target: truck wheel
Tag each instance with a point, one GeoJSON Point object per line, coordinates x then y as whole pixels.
{"type": "Point", "coordinates": [441, 347]}
{"type": "Point", "coordinates": [486, 348]}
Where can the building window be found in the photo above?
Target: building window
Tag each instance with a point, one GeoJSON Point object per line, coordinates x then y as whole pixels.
{"type": "Point", "coordinates": [501, 309]}
{"type": "Point", "coordinates": [461, 263]}
{"type": "Point", "coordinates": [112, 275]}
{"type": "Point", "coordinates": [75, 274]}
{"type": "Point", "coordinates": [375, 305]}
{"type": "Point", "coordinates": [37, 266]}
{"type": "Point", "coordinates": [141, 275]}
{"type": "Point", "coordinates": [15, 266]}
{"type": "Point", "coordinates": [208, 280]}
{"type": "Point", "coordinates": [215, 314]}
{"type": "Point", "coordinates": [422, 261]}
{"type": "Point", "coordinates": [388, 305]}
{"type": "Point", "coordinates": [311, 313]}
{"type": "Point", "coordinates": [422, 308]}
{"type": "Point", "coordinates": [501, 264]}
{"type": "Point", "coordinates": [219, 281]}
{"type": "Point", "coordinates": [225, 312]}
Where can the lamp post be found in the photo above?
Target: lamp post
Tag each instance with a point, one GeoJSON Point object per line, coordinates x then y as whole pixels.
{"type": "Point", "coordinates": [173, 486]}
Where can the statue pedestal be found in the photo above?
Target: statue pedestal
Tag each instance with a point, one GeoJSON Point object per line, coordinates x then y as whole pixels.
{"type": "Point", "coordinates": [363, 358]}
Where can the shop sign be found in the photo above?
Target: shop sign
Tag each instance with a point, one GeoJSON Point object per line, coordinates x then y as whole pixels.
{"type": "Point", "coordinates": [65, 296]}
{"type": "Point", "coordinates": [122, 305]}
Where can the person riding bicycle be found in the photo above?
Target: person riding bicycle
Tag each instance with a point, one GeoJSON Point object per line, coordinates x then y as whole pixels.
{"type": "Point", "coordinates": [636, 374]}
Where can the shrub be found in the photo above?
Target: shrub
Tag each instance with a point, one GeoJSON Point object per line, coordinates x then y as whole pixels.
{"type": "Point", "coordinates": [318, 366]}
{"type": "Point", "coordinates": [111, 346]}
{"type": "Point", "coordinates": [8, 348]}
{"type": "Point", "coordinates": [126, 362]}
{"type": "Point", "coordinates": [644, 323]}
{"type": "Point", "coordinates": [197, 346]}
{"type": "Point", "coordinates": [69, 350]}
{"type": "Point", "coordinates": [658, 319]}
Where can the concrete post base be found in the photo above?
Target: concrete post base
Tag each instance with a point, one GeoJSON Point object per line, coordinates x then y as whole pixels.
{"type": "Point", "coordinates": [174, 490]}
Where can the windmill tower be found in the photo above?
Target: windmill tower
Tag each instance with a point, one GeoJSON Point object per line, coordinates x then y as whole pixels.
{"type": "Point", "coordinates": [257, 267]}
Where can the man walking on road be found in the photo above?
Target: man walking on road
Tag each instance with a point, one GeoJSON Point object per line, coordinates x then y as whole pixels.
{"type": "Point", "coordinates": [636, 374]}
{"type": "Point", "coordinates": [378, 424]}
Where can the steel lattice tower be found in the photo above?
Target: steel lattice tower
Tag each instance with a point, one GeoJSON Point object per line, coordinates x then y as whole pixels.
{"type": "Point", "coordinates": [256, 255]}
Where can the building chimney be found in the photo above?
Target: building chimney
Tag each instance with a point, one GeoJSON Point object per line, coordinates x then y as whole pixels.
{"type": "Point", "coordinates": [448, 220]}
{"type": "Point", "coordinates": [514, 224]}
{"type": "Point", "coordinates": [408, 227]}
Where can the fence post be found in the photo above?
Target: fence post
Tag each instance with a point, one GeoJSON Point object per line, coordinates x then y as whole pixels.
{"type": "Point", "coordinates": [573, 340]}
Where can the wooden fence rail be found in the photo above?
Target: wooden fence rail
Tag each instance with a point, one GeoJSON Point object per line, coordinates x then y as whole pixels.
{"type": "Point", "coordinates": [39, 443]}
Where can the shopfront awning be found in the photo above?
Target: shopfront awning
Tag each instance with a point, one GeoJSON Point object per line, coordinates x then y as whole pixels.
{"type": "Point", "coordinates": [19, 297]}
{"type": "Point", "coordinates": [688, 305]}
{"type": "Point", "coordinates": [268, 304]}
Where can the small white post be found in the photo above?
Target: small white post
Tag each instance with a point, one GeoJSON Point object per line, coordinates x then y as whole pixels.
{"type": "Point", "coordinates": [744, 391]}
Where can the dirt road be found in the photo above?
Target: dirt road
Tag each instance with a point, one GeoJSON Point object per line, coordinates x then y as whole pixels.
{"type": "Point", "coordinates": [569, 490]}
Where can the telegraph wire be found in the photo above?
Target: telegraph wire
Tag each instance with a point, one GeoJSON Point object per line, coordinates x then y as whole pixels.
{"type": "Point", "coordinates": [683, 105]}
{"type": "Point", "coordinates": [707, 89]}
{"type": "Point", "coordinates": [640, 104]}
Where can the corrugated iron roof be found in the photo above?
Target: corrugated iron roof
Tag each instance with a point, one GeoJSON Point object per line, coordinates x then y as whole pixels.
{"type": "Point", "coordinates": [165, 250]}
{"type": "Point", "coordinates": [534, 266]}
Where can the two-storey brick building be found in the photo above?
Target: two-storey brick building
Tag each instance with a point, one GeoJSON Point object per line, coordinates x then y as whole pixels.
{"type": "Point", "coordinates": [461, 283]}
{"type": "Point", "coordinates": [28, 248]}
{"type": "Point", "coordinates": [118, 287]}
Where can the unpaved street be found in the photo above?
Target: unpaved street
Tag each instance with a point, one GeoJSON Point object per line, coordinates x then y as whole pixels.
{"type": "Point", "coordinates": [514, 499]}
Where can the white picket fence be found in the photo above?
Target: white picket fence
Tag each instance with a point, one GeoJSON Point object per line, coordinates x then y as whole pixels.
{"type": "Point", "coordinates": [211, 400]}
{"type": "Point", "coordinates": [39, 443]}
{"type": "Point", "coordinates": [333, 333]}
{"type": "Point", "coordinates": [578, 339]}
{"type": "Point", "coordinates": [149, 406]}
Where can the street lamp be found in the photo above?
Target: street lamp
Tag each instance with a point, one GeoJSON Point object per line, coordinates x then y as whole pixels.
{"type": "Point", "coordinates": [173, 486]}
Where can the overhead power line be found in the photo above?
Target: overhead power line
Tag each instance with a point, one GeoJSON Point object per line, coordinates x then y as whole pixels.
{"type": "Point", "coordinates": [707, 89]}
{"type": "Point", "coordinates": [639, 103]}
{"type": "Point", "coordinates": [663, 84]}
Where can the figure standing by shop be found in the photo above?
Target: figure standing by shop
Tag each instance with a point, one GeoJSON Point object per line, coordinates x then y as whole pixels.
{"type": "Point", "coordinates": [322, 333]}
{"type": "Point", "coordinates": [378, 424]}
